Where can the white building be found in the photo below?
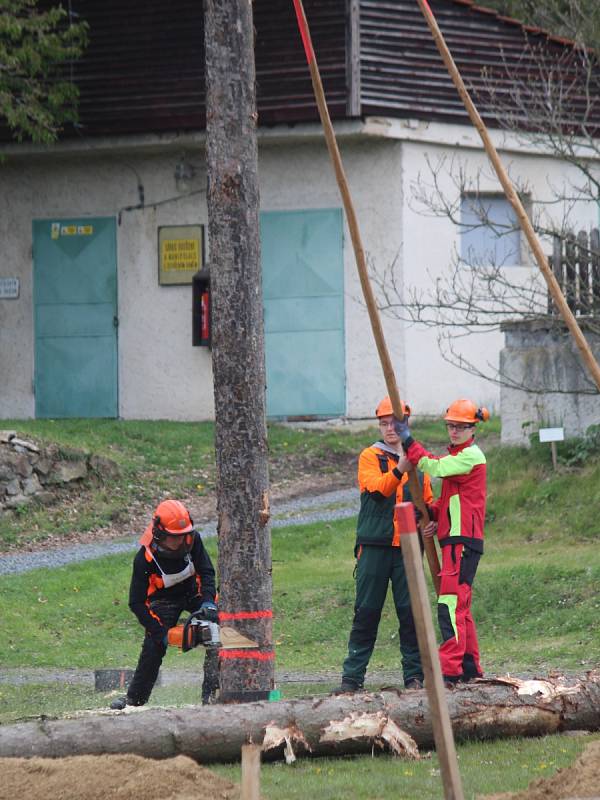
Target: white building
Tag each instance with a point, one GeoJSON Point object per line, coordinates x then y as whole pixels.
{"type": "Point", "coordinates": [92, 327]}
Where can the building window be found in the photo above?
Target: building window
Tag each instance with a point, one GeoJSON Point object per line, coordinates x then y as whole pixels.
{"type": "Point", "coordinates": [490, 234]}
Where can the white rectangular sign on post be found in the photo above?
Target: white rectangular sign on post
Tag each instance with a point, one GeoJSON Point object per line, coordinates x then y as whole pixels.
{"type": "Point", "coordinates": [552, 434]}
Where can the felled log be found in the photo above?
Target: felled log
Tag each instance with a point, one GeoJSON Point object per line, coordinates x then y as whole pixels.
{"type": "Point", "coordinates": [329, 725]}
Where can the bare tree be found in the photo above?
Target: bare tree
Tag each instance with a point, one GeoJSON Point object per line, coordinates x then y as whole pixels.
{"type": "Point", "coordinates": [552, 103]}
{"type": "Point", "coordinates": [238, 347]}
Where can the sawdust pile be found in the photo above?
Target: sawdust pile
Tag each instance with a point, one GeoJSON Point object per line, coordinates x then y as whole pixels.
{"type": "Point", "coordinates": [125, 777]}
{"type": "Point", "coordinates": [578, 782]}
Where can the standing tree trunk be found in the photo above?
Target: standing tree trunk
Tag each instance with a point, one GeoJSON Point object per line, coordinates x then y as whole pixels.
{"type": "Point", "coordinates": [238, 348]}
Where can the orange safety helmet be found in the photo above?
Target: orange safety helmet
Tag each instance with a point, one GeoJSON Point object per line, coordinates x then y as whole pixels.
{"type": "Point", "coordinates": [466, 411]}
{"type": "Point", "coordinates": [385, 408]}
{"type": "Point", "coordinates": [172, 529]}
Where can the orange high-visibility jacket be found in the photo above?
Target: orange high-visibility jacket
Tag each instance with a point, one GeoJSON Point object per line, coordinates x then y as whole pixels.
{"type": "Point", "coordinates": [381, 487]}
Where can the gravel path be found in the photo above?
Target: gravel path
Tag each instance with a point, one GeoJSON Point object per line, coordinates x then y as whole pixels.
{"type": "Point", "coordinates": [339, 504]}
{"type": "Point", "coordinates": [22, 676]}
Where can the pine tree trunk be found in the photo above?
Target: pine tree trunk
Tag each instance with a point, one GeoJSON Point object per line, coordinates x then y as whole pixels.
{"type": "Point", "coordinates": [238, 347]}
{"type": "Point", "coordinates": [320, 726]}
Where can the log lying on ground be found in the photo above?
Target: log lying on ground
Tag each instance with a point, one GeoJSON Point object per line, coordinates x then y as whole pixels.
{"type": "Point", "coordinates": [330, 725]}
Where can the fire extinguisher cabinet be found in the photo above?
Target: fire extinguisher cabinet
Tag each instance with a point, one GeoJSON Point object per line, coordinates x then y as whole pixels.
{"type": "Point", "coordinates": [201, 309]}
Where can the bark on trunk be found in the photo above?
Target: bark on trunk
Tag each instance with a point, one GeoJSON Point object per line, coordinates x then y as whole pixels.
{"type": "Point", "coordinates": [320, 726]}
{"type": "Point", "coordinates": [238, 348]}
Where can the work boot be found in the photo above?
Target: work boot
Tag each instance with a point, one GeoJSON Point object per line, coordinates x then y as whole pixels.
{"type": "Point", "coordinates": [450, 681]}
{"type": "Point", "coordinates": [413, 683]}
{"type": "Point", "coordinates": [120, 703]}
{"type": "Point", "coordinates": [347, 686]}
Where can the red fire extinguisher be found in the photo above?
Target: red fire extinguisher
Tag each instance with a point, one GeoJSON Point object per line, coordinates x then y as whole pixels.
{"type": "Point", "coordinates": [201, 309]}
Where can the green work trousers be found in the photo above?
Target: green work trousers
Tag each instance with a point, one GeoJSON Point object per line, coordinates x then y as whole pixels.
{"type": "Point", "coordinates": [375, 568]}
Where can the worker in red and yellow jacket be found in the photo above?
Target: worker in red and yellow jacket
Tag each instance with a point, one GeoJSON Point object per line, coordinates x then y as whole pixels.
{"type": "Point", "coordinates": [379, 558]}
{"type": "Point", "coordinates": [458, 515]}
{"type": "Point", "coordinates": [172, 573]}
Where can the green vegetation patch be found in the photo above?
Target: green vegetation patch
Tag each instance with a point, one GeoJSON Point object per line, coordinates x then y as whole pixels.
{"type": "Point", "coordinates": [485, 768]}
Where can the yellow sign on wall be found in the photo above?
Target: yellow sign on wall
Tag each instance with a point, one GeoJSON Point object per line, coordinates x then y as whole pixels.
{"type": "Point", "coordinates": [181, 253]}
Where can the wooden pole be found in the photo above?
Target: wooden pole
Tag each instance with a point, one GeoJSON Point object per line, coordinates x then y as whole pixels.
{"type": "Point", "coordinates": [419, 600]}
{"type": "Point", "coordinates": [250, 772]}
{"type": "Point", "coordinates": [512, 196]}
{"type": "Point", "coordinates": [363, 274]}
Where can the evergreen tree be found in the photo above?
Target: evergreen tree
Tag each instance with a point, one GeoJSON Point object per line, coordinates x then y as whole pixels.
{"type": "Point", "coordinates": [37, 49]}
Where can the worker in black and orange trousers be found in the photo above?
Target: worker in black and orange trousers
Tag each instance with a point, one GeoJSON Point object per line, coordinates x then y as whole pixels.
{"type": "Point", "coordinates": [458, 515]}
{"type": "Point", "coordinates": [172, 573]}
{"type": "Point", "coordinates": [379, 557]}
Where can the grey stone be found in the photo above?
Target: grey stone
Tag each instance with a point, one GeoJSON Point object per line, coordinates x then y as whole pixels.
{"type": "Point", "coordinates": [44, 498]}
{"type": "Point", "coordinates": [16, 501]}
{"type": "Point", "coordinates": [16, 443]}
{"type": "Point", "coordinates": [22, 465]}
{"type": "Point", "coordinates": [6, 473]}
{"type": "Point", "coordinates": [32, 485]}
{"type": "Point", "coordinates": [13, 487]}
{"type": "Point", "coordinates": [67, 471]}
{"type": "Point", "coordinates": [43, 466]}
{"type": "Point", "coordinates": [104, 467]}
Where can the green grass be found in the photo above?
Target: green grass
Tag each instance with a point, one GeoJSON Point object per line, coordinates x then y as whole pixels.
{"type": "Point", "coordinates": [156, 458]}
{"type": "Point", "coordinates": [535, 601]}
{"type": "Point", "coordinates": [534, 613]}
{"type": "Point", "coordinates": [485, 767]}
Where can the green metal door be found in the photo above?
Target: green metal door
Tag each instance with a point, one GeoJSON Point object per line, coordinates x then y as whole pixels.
{"type": "Point", "coordinates": [303, 286]}
{"type": "Point", "coordinates": [75, 317]}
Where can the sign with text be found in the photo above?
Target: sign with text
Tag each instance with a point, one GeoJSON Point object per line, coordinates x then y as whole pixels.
{"type": "Point", "coordinates": [9, 288]}
{"type": "Point", "coordinates": [180, 253]}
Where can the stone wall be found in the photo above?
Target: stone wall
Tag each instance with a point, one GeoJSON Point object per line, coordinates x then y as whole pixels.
{"type": "Point", "coordinates": [30, 471]}
{"type": "Point", "coordinates": [541, 355]}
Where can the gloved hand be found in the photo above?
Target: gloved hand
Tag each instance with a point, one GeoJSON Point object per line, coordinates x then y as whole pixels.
{"type": "Point", "coordinates": [419, 514]}
{"type": "Point", "coordinates": [402, 429]}
{"type": "Point", "coordinates": [209, 611]}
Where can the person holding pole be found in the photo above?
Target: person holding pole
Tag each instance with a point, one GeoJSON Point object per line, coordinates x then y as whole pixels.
{"type": "Point", "coordinates": [379, 558]}
{"type": "Point", "coordinates": [458, 516]}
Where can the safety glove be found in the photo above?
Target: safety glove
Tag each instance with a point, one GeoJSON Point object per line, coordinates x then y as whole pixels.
{"type": "Point", "coordinates": [209, 611]}
{"type": "Point", "coordinates": [402, 429]}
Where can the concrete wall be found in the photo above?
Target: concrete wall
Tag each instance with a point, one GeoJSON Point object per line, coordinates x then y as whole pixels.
{"type": "Point", "coordinates": [545, 359]}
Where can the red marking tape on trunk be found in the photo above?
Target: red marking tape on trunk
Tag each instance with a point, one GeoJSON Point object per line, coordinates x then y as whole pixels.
{"type": "Point", "coordinates": [257, 655]}
{"type": "Point", "coordinates": [304, 31]}
{"type": "Point", "coordinates": [225, 615]}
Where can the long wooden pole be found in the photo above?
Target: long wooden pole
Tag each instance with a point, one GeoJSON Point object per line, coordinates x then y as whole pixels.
{"type": "Point", "coordinates": [419, 600]}
{"type": "Point", "coordinates": [250, 788]}
{"type": "Point", "coordinates": [512, 196]}
{"type": "Point", "coordinates": [384, 356]}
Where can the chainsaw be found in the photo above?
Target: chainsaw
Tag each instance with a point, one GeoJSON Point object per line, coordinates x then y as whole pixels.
{"type": "Point", "coordinates": [197, 630]}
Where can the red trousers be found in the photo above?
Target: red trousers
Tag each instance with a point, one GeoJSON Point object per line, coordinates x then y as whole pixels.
{"type": "Point", "coordinates": [459, 651]}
